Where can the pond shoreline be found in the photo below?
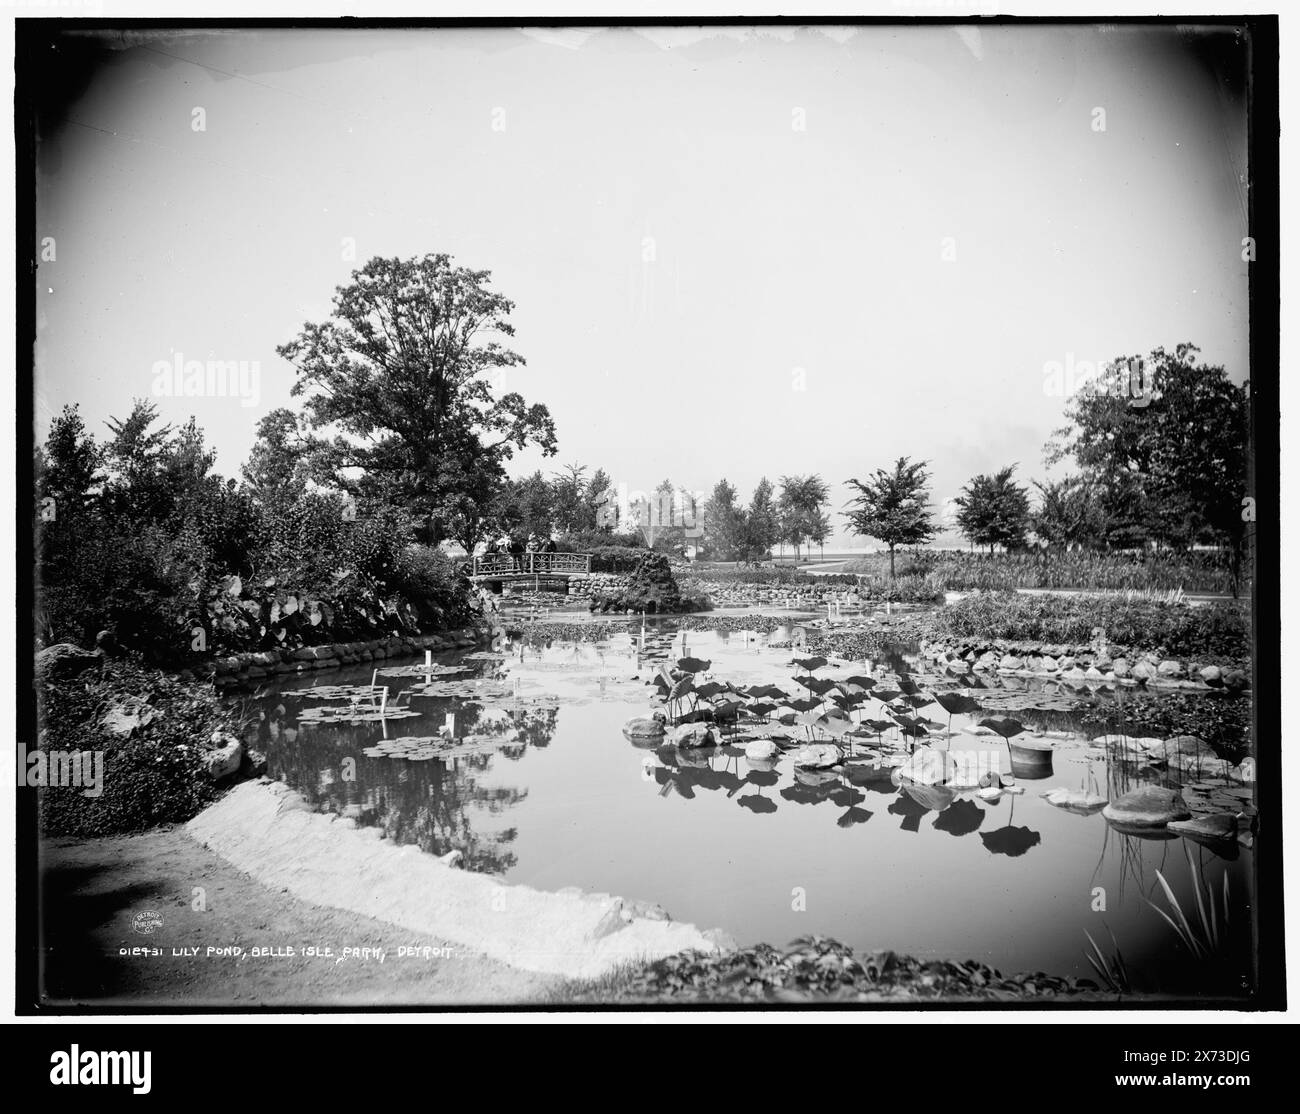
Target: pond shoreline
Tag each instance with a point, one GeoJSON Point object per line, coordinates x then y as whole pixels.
{"type": "Point", "coordinates": [294, 855]}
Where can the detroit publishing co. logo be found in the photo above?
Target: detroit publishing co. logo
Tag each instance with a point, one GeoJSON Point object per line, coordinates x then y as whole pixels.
{"type": "Point", "coordinates": [147, 922]}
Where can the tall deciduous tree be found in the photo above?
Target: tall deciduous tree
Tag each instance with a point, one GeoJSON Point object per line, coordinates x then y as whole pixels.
{"type": "Point", "coordinates": [1165, 449]}
{"type": "Point", "coordinates": [276, 470]}
{"type": "Point", "coordinates": [401, 382]}
{"type": "Point", "coordinates": [994, 510]}
{"type": "Point", "coordinates": [893, 507]}
{"type": "Point", "coordinates": [800, 504]}
{"type": "Point", "coordinates": [1068, 513]}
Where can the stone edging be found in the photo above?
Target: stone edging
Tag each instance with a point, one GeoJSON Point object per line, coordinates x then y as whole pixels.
{"type": "Point", "coordinates": [1084, 665]}
{"type": "Point", "coordinates": [241, 669]}
{"type": "Point", "coordinates": [272, 833]}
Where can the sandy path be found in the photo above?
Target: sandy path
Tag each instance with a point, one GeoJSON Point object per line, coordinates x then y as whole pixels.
{"type": "Point", "coordinates": [94, 890]}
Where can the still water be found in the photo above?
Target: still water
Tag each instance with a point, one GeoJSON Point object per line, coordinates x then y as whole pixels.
{"type": "Point", "coordinates": [547, 791]}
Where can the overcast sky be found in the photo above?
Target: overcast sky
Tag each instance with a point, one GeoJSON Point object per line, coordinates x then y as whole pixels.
{"type": "Point", "coordinates": [732, 252]}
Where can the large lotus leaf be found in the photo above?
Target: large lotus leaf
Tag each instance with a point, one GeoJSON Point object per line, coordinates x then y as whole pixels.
{"type": "Point", "coordinates": [1005, 726]}
{"type": "Point", "coordinates": [809, 664]}
{"type": "Point", "coordinates": [955, 703]}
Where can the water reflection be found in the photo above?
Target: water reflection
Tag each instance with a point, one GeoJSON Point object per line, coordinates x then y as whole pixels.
{"type": "Point", "coordinates": [534, 781]}
{"type": "Point", "coordinates": [435, 805]}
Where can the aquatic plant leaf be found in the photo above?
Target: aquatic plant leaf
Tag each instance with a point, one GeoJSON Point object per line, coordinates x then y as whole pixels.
{"type": "Point", "coordinates": [1005, 726]}
{"type": "Point", "coordinates": [956, 703]}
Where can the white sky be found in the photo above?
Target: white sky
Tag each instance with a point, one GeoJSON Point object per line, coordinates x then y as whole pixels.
{"type": "Point", "coordinates": [774, 249]}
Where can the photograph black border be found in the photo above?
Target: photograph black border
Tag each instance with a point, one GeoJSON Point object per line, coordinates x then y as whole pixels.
{"type": "Point", "coordinates": [1263, 201]}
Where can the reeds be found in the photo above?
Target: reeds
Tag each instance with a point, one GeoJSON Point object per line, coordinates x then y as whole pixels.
{"type": "Point", "coordinates": [1206, 939]}
{"type": "Point", "coordinates": [1110, 967]}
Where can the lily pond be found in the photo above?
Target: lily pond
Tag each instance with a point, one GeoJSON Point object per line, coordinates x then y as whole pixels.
{"type": "Point", "coordinates": [518, 759]}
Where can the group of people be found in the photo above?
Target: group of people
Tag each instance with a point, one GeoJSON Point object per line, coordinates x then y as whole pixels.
{"type": "Point", "coordinates": [517, 547]}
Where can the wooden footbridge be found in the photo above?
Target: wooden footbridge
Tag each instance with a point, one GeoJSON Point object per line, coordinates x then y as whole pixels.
{"type": "Point", "coordinates": [551, 569]}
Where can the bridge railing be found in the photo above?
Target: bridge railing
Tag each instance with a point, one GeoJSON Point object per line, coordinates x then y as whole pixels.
{"type": "Point", "coordinates": [533, 564]}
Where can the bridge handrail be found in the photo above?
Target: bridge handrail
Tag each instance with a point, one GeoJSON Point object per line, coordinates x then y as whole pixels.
{"type": "Point", "coordinates": [533, 564]}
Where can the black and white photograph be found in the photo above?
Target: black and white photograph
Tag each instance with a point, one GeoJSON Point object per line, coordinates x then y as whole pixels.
{"type": "Point", "coordinates": [766, 516]}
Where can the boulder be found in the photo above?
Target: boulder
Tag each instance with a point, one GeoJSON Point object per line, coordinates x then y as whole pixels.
{"type": "Point", "coordinates": [1220, 826]}
{"type": "Point", "coordinates": [761, 750]}
{"type": "Point", "coordinates": [225, 756]}
{"type": "Point", "coordinates": [1236, 680]}
{"type": "Point", "coordinates": [1121, 668]}
{"type": "Point", "coordinates": [1075, 800]}
{"type": "Point", "coordinates": [1011, 662]}
{"type": "Point", "coordinates": [1171, 670]}
{"type": "Point", "coordinates": [818, 756]}
{"type": "Point", "coordinates": [646, 727]}
{"type": "Point", "coordinates": [1212, 675]}
{"type": "Point", "coordinates": [929, 766]}
{"type": "Point", "coordinates": [693, 735]}
{"type": "Point", "coordinates": [1144, 671]}
{"type": "Point", "coordinates": [63, 661]}
{"type": "Point", "coordinates": [127, 717]}
{"type": "Point", "coordinates": [1148, 806]}
{"type": "Point", "coordinates": [1048, 664]}
{"type": "Point", "coordinates": [227, 667]}
{"type": "Point", "coordinates": [1066, 663]}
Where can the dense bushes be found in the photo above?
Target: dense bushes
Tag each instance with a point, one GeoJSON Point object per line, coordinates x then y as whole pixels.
{"type": "Point", "coordinates": [156, 774]}
{"type": "Point", "coordinates": [1198, 571]}
{"type": "Point", "coordinates": [612, 558]}
{"type": "Point", "coordinates": [181, 565]}
{"type": "Point", "coordinates": [903, 589]}
{"type": "Point", "coordinates": [1217, 631]}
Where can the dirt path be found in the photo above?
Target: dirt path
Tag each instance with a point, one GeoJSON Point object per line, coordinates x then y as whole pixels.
{"type": "Point", "coordinates": [95, 891]}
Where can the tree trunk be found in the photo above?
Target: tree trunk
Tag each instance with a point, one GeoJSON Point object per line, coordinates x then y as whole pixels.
{"type": "Point", "coordinates": [891, 562]}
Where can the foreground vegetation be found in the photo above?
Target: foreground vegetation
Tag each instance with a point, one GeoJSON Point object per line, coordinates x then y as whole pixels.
{"type": "Point", "coordinates": [151, 731]}
{"type": "Point", "coordinates": [814, 970]}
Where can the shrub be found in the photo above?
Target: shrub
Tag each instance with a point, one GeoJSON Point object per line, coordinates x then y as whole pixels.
{"type": "Point", "coordinates": [612, 558]}
{"type": "Point", "coordinates": [1198, 571]}
{"type": "Point", "coordinates": [155, 775]}
{"type": "Point", "coordinates": [1218, 630]}
{"type": "Point", "coordinates": [586, 541]}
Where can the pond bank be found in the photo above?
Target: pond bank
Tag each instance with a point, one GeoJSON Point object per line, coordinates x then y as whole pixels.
{"type": "Point", "coordinates": [270, 832]}
{"type": "Point", "coordinates": [238, 670]}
